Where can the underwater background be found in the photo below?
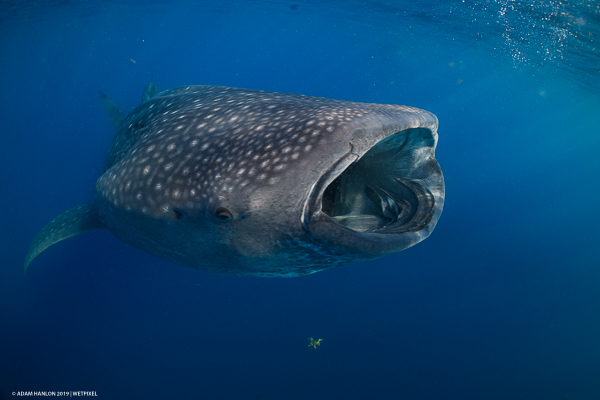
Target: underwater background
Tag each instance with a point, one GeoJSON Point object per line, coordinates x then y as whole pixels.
{"type": "Point", "coordinates": [501, 302]}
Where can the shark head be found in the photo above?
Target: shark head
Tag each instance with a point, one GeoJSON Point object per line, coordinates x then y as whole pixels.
{"type": "Point", "coordinates": [267, 184]}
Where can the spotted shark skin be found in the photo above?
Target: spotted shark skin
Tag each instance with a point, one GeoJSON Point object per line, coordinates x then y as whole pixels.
{"type": "Point", "coordinates": [258, 183]}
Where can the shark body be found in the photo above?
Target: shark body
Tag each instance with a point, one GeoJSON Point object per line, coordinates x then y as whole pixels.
{"type": "Point", "coordinates": [259, 183]}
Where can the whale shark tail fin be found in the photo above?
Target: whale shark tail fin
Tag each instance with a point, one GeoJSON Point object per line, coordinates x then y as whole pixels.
{"type": "Point", "coordinates": [114, 113]}
{"type": "Point", "coordinates": [70, 223]}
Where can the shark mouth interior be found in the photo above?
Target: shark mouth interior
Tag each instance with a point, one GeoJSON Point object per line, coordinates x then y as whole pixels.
{"type": "Point", "coordinates": [387, 190]}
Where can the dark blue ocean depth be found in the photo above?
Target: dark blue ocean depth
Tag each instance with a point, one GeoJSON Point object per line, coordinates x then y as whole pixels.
{"type": "Point", "coordinates": [501, 302]}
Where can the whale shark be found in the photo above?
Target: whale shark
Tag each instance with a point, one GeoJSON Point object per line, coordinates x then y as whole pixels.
{"type": "Point", "coordinates": [258, 183]}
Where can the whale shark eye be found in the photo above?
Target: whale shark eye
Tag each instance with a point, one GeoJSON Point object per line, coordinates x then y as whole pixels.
{"type": "Point", "coordinates": [224, 214]}
{"type": "Point", "coordinates": [178, 214]}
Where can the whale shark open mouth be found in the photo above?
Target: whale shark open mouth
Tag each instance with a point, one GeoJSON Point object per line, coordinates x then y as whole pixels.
{"type": "Point", "coordinates": [396, 206]}
{"type": "Point", "coordinates": [395, 187]}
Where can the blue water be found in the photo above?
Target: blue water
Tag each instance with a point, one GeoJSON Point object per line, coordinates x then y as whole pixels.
{"type": "Point", "coordinates": [501, 302]}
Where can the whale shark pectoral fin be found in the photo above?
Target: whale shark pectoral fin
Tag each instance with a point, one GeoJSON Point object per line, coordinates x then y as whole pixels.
{"type": "Point", "coordinates": [70, 223]}
{"type": "Point", "coordinates": [116, 116]}
{"type": "Point", "coordinates": [149, 92]}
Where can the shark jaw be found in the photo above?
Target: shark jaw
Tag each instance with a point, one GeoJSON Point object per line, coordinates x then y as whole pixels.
{"type": "Point", "coordinates": [385, 200]}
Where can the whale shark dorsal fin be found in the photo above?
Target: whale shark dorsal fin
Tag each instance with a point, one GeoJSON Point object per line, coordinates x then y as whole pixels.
{"type": "Point", "coordinates": [70, 223]}
{"type": "Point", "coordinates": [149, 92]}
{"type": "Point", "coordinates": [116, 116]}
